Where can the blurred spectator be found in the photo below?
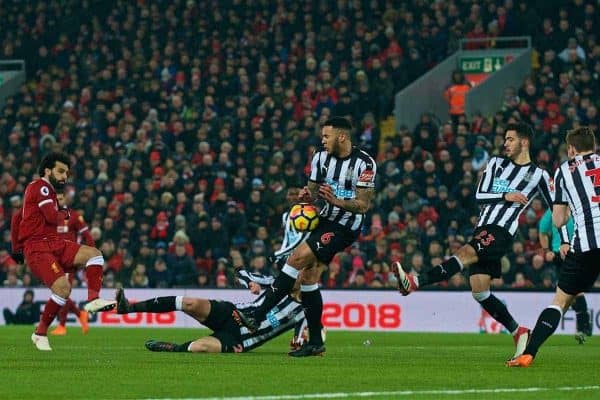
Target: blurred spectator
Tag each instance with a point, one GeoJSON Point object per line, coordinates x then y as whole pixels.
{"type": "Point", "coordinates": [139, 279]}
{"type": "Point", "coordinates": [182, 266]}
{"type": "Point", "coordinates": [160, 276]}
{"type": "Point", "coordinates": [358, 281]}
{"type": "Point", "coordinates": [12, 280]}
{"type": "Point", "coordinates": [181, 239]}
{"type": "Point", "coordinates": [335, 276]}
{"type": "Point", "coordinates": [202, 280]}
{"type": "Point", "coordinates": [572, 52]}
{"type": "Point", "coordinates": [27, 313]}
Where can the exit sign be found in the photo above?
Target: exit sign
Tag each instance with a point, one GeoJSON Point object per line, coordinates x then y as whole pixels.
{"type": "Point", "coordinates": [481, 64]}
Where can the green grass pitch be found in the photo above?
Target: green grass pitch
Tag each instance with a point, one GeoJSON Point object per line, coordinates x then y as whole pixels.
{"type": "Point", "coordinates": [112, 363]}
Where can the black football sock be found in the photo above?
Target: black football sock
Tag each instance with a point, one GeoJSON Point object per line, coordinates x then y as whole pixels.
{"type": "Point", "coordinates": [441, 272]}
{"type": "Point", "coordinates": [581, 310]}
{"type": "Point", "coordinates": [497, 310]}
{"type": "Point", "coordinates": [544, 328]}
{"type": "Point", "coordinates": [182, 348]}
{"type": "Point", "coordinates": [313, 308]}
{"type": "Point", "coordinates": [279, 289]}
{"type": "Point", "coordinates": [156, 305]}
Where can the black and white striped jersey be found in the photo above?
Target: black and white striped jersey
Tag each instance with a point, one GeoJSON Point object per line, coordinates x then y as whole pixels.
{"type": "Point", "coordinates": [344, 175]}
{"type": "Point", "coordinates": [281, 318]}
{"type": "Point", "coordinates": [578, 185]}
{"type": "Point", "coordinates": [291, 238]}
{"type": "Point", "coordinates": [286, 315]}
{"type": "Point", "coordinates": [503, 176]}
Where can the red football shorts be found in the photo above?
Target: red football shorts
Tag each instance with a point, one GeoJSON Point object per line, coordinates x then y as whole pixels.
{"type": "Point", "coordinates": [50, 259]}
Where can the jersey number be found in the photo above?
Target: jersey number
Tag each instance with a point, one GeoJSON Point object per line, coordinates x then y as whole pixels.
{"type": "Point", "coordinates": [595, 174]}
{"type": "Point", "coordinates": [485, 238]}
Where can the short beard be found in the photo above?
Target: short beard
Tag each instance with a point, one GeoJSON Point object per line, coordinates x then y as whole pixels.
{"type": "Point", "coordinates": [58, 185]}
{"type": "Point", "coordinates": [335, 150]}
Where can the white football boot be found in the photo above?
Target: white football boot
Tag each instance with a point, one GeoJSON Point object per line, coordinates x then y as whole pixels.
{"type": "Point", "coordinates": [41, 342]}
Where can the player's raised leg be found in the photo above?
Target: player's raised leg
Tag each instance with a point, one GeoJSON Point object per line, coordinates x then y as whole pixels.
{"type": "Point", "coordinates": [199, 309]}
{"type": "Point", "coordinates": [92, 260]}
{"type": "Point", "coordinates": [155, 305]}
{"type": "Point", "coordinates": [408, 283]}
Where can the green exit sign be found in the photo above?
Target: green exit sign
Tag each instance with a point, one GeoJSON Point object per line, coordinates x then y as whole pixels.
{"type": "Point", "coordinates": [481, 64]}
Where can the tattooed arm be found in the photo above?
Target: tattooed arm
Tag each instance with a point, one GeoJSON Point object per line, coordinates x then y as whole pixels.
{"type": "Point", "coordinates": [360, 205]}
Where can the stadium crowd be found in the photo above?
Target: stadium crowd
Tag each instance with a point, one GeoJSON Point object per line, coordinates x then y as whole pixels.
{"type": "Point", "coordinates": [187, 121]}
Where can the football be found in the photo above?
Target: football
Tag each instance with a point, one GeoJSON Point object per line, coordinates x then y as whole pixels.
{"type": "Point", "coordinates": [304, 217]}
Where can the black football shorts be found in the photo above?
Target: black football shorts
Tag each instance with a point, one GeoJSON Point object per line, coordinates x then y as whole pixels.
{"type": "Point", "coordinates": [491, 242]}
{"type": "Point", "coordinates": [224, 326]}
{"type": "Point", "coordinates": [329, 238]}
{"type": "Point", "coordinates": [579, 271]}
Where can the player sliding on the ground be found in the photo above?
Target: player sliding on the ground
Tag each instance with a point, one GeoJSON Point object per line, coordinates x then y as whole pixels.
{"type": "Point", "coordinates": [508, 185]}
{"type": "Point", "coordinates": [229, 336]}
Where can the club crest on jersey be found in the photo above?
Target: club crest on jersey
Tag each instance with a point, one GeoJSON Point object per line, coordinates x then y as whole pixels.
{"type": "Point", "coordinates": [527, 177]}
{"type": "Point", "coordinates": [44, 191]}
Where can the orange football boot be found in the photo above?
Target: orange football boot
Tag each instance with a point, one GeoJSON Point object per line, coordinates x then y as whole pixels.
{"type": "Point", "coordinates": [523, 361]}
{"type": "Point", "coordinates": [60, 330]}
{"type": "Point", "coordinates": [83, 320]}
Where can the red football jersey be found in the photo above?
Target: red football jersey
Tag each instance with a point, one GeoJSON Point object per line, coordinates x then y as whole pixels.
{"type": "Point", "coordinates": [75, 229]}
{"type": "Point", "coordinates": [41, 215]}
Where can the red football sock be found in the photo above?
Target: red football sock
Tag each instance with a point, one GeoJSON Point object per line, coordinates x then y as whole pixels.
{"type": "Point", "coordinates": [93, 274]}
{"type": "Point", "coordinates": [72, 306]}
{"type": "Point", "coordinates": [62, 314]}
{"type": "Point", "coordinates": [50, 312]}
{"type": "Point", "coordinates": [69, 307]}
